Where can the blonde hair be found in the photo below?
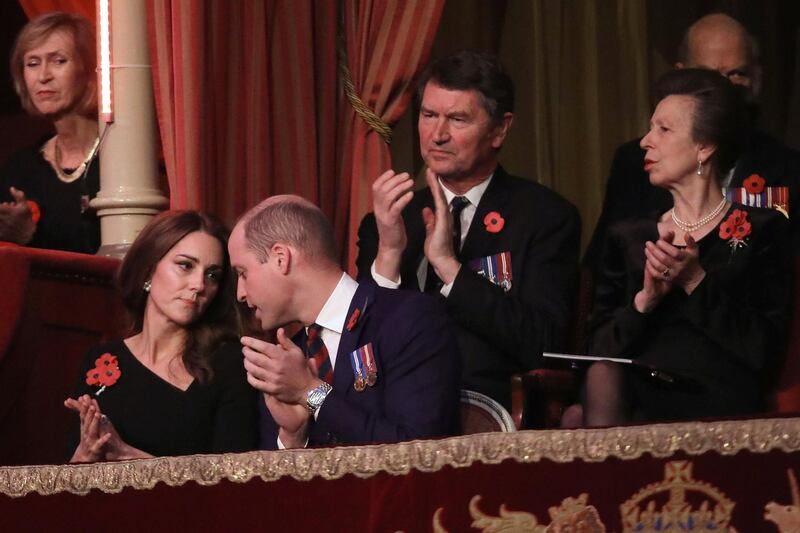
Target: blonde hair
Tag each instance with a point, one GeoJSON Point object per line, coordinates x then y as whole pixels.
{"type": "Point", "coordinates": [37, 31]}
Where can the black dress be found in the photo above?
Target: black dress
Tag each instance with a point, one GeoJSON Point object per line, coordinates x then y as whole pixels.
{"type": "Point", "coordinates": [67, 222]}
{"type": "Point", "coordinates": [726, 336]}
{"type": "Point", "coordinates": [160, 419]}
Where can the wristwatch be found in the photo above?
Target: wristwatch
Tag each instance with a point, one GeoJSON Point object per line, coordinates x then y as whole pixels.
{"type": "Point", "coordinates": [316, 396]}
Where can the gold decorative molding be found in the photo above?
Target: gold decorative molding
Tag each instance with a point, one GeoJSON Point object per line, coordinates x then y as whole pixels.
{"type": "Point", "coordinates": [562, 446]}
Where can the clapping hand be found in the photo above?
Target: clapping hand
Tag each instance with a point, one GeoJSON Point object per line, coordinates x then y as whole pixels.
{"type": "Point", "coordinates": [99, 440]}
{"type": "Point", "coordinates": [391, 193]}
{"type": "Point", "coordinates": [284, 375]}
{"type": "Point", "coordinates": [439, 233]}
{"type": "Point", "coordinates": [91, 447]}
{"type": "Point", "coordinates": [668, 266]}
{"type": "Point", "coordinates": [16, 223]}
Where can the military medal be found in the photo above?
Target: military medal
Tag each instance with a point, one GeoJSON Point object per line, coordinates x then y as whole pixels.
{"type": "Point", "coordinates": [496, 268]}
{"type": "Point", "coordinates": [360, 382]}
{"type": "Point", "coordinates": [365, 370]}
{"type": "Point", "coordinates": [772, 197]}
{"type": "Point", "coordinates": [369, 362]}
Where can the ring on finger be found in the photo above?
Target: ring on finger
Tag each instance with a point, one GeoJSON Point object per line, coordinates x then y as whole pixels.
{"type": "Point", "coordinates": [665, 273]}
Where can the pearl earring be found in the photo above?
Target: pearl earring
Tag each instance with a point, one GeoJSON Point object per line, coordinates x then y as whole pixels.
{"type": "Point", "coordinates": [147, 286]}
{"type": "Point", "coordinates": [699, 167]}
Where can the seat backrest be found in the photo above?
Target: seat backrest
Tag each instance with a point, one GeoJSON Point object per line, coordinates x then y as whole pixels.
{"type": "Point", "coordinates": [481, 414]}
{"type": "Point", "coordinates": [55, 306]}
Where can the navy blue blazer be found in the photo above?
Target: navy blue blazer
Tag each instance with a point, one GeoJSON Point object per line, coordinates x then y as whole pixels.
{"type": "Point", "coordinates": [416, 394]}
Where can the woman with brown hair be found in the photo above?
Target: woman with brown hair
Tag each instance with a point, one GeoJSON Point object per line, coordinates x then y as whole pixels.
{"type": "Point", "coordinates": [177, 385]}
{"type": "Point", "coordinates": [45, 189]}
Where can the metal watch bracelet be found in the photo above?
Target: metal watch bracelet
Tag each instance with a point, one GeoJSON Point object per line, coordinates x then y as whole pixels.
{"type": "Point", "coordinates": [316, 396]}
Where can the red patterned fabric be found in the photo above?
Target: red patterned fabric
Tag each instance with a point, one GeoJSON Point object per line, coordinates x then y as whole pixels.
{"type": "Point", "coordinates": [527, 494]}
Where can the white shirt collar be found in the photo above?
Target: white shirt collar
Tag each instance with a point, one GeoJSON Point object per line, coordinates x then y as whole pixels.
{"type": "Point", "coordinates": [334, 313]}
{"type": "Point", "coordinates": [474, 195]}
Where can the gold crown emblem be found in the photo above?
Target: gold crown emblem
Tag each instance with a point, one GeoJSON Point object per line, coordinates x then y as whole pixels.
{"type": "Point", "coordinates": [688, 505]}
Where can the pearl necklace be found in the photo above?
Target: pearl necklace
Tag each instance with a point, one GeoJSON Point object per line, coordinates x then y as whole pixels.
{"type": "Point", "coordinates": [69, 177]}
{"type": "Point", "coordinates": [689, 227]}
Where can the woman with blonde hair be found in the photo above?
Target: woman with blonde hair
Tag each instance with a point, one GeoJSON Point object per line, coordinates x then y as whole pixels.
{"type": "Point", "coordinates": [45, 189]}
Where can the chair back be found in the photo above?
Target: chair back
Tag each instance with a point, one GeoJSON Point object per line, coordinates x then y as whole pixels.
{"type": "Point", "coordinates": [481, 414]}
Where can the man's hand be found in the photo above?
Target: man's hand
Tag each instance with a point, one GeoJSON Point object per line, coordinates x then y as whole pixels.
{"type": "Point", "coordinates": [293, 420]}
{"type": "Point", "coordinates": [439, 233]}
{"type": "Point", "coordinates": [280, 370]}
{"type": "Point", "coordinates": [391, 193]}
{"type": "Point", "coordinates": [16, 224]}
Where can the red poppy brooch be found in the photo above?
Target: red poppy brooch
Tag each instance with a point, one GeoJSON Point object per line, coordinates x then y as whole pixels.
{"type": "Point", "coordinates": [105, 373]}
{"type": "Point", "coordinates": [494, 222]}
{"type": "Point", "coordinates": [735, 229]}
{"type": "Point", "coordinates": [754, 184]}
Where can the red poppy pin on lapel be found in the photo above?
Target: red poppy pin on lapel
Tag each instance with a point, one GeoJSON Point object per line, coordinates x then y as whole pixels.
{"type": "Point", "coordinates": [754, 184]}
{"type": "Point", "coordinates": [357, 313]}
{"type": "Point", "coordinates": [105, 373]}
{"type": "Point", "coordinates": [494, 222]}
{"type": "Point", "coordinates": [353, 320]}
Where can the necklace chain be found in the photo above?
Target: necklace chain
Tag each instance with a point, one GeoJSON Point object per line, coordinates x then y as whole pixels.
{"type": "Point", "coordinates": [693, 226]}
{"type": "Point", "coordinates": [69, 177]}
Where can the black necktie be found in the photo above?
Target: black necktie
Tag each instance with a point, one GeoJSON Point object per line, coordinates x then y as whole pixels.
{"type": "Point", "coordinates": [432, 282]}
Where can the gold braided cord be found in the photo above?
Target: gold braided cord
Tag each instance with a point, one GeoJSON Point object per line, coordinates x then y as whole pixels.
{"type": "Point", "coordinates": [362, 110]}
{"type": "Point", "coordinates": [561, 446]}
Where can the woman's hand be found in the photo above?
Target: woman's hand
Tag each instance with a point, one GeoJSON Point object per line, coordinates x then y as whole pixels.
{"type": "Point", "coordinates": [93, 440]}
{"type": "Point", "coordinates": [681, 266]}
{"type": "Point", "coordinates": [16, 222]}
{"type": "Point", "coordinates": [658, 279]}
{"type": "Point", "coordinates": [99, 438]}
{"type": "Point", "coordinates": [117, 449]}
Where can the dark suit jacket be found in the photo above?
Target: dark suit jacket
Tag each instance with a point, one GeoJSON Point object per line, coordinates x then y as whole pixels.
{"type": "Point", "coordinates": [416, 395]}
{"type": "Point", "coordinates": [630, 195]}
{"type": "Point", "coordinates": [501, 333]}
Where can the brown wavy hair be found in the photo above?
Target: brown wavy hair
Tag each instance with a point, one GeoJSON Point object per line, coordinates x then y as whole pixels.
{"type": "Point", "coordinates": [35, 33]}
{"type": "Point", "coordinates": [218, 323]}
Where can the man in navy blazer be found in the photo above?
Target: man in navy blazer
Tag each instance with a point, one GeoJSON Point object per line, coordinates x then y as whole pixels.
{"type": "Point", "coordinates": [501, 251]}
{"type": "Point", "coordinates": [387, 366]}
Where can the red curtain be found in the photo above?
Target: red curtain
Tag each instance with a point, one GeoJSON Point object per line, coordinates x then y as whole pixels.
{"type": "Point", "coordinates": [244, 94]}
{"type": "Point", "coordinates": [249, 105]}
{"type": "Point", "coordinates": [388, 42]}
{"type": "Point", "coordinates": [34, 8]}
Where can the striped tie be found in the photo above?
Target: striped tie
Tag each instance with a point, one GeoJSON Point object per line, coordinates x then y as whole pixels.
{"type": "Point", "coordinates": [316, 348]}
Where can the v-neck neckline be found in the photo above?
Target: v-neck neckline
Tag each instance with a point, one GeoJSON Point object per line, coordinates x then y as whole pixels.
{"type": "Point", "coordinates": [150, 371]}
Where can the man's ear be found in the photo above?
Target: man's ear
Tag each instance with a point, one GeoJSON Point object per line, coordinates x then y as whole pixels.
{"type": "Point", "coordinates": [501, 130]}
{"type": "Point", "coordinates": [282, 257]}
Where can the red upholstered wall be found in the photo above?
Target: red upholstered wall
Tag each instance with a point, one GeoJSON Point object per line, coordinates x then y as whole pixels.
{"type": "Point", "coordinates": [55, 305]}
